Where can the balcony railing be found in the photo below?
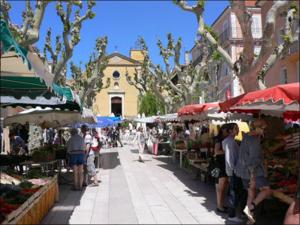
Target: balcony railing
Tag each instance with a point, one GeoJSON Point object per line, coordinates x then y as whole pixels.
{"type": "Point", "coordinates": [235, 33]}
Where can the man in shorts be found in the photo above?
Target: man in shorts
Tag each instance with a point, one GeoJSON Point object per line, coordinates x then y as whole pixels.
{"type": "Point", "coordinates": [76, 148]}
{"type": "Point", "coordinates": [251, 169]}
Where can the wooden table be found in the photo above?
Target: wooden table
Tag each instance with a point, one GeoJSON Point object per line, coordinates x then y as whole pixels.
{"type": "Point", "coordinates": [47, 167]}
{"type": "Point", "coordinates": [181, 151]}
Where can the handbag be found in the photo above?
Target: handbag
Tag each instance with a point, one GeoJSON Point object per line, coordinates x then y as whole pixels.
{"type": "Point", "coordinates": [213, 168]}
{"type": "Point", "coordinates": [215, 172]}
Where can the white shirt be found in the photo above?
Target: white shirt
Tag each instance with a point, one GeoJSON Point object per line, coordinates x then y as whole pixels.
{"type": "Point", "coordinates": [88, 140]}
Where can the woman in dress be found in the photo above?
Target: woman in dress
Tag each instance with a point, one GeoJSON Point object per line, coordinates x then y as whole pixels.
{"type": "Point", "coordinates": [222, 180]}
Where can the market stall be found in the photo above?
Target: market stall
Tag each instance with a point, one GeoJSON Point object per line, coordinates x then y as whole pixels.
{"type": "Point", "coordinates": [26, 199]}
{"type": "Point", "coordinates": [25, 81]}
{"type": "Point", "coordinates": [198, 148]}
{"type": "Point", "coordinates": [282, 148]}
{"type": "Point", "coordinates": [50, 117]}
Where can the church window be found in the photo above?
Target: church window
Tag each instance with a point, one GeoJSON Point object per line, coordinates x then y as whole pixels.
{"type": "Point", "coordinates": [116, 75]}
{"type": "Point", "coordinates": [116, 85]}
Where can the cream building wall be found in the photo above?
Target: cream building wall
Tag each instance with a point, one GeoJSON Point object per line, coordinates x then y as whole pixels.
{"type": "Point", "coordinates": [119, 87]}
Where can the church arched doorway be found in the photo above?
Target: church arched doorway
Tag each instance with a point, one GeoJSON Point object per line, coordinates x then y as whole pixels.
{"type": "Point", "coordinates": [116, 106]}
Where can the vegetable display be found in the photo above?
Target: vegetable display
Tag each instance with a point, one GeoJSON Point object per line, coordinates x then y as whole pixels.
{"type": "Point", "coordinates": [12, 196]}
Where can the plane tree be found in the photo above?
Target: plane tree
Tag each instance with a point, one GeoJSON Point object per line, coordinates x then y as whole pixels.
{"type": "Point", "coordinates": [250, 69]}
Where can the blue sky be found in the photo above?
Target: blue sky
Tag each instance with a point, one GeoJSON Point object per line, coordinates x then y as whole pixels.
{"type": "Point", "coordinates": [124, 21]}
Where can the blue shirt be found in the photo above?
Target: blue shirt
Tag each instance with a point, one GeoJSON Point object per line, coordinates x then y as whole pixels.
{"type": "Point", "coordinates": [250, 158]}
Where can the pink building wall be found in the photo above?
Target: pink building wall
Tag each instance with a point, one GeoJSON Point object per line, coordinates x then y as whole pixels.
{"type": "Point", "coordinates": [290, 62]}
{"type": "Point", "coordinates": [231, 38]}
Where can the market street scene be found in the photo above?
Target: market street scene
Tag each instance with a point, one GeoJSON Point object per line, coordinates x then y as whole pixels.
{"type": "Point", "coordinates": [150, 112]}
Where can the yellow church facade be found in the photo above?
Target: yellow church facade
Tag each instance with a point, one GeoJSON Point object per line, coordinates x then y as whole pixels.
{"type": "Point", "coordinates": [120, 98]}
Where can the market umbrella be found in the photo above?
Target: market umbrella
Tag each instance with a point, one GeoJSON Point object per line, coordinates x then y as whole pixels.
{"type": "Point", "coordinates": [30, 59]}
{"type": "Point", "coordinates": [8, 43]}
{"type": "Point", "coordinates": [198, 108]}
{"type": "Point", "coordinates": [172, 117]}
{"type": "Point", "coordinates": [149, 119]}
{"type": "Point", "coordinates": [49, 117]}
{"type": "Point", "coordinates": [281, 100]}
{"type": "Point", "coordinates": [197, 111]}
{"type": "Point", "coordinates": [27, 91]}
{"type": "Point", "coordinates": [101, 122]}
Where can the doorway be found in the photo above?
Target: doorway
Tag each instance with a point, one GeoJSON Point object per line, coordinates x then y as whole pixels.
{"type": "Point", "coordinates": [116, 106]}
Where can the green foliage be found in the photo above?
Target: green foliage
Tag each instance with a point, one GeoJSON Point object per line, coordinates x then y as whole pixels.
{"type": "Point", "coordinates": [216, 55]}
{"type": "Point", "coordinates": [210, 30]}
{"type": "Point", "coordinates": [294, 6]}
{"type": "Point", "coordinates": [201, 3]}
{"type": "Point", "coordinates": [150, 105]}
{"type": "Point", "coordinates": [287, 38]}
{"type": "Point", "coordinates": [92, 15]}
{"type": "Point", "coordinates": [125, 124]}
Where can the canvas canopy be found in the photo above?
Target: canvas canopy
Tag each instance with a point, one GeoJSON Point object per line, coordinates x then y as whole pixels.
{"type": "Point", "coordinates": [29, 58]}
{"type": "Point", "coordinates": [50, 117]}
{"type": "Point", "coordinates": [28, 91]}
{"type": "Point", "coordinates": [280, 100]}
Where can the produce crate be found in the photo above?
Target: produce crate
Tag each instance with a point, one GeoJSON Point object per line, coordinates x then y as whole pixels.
{"type": "Point", "coordinates": [37, 206]}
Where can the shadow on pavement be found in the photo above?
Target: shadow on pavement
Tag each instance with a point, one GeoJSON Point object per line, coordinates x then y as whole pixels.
{"type": "Point", "coordinates": [62, 211]}
{"type": "Point", "coordinates": [195, 187]}
{"type": "Point", "coordinates": [134, 151]}
{"type": "Point", "coordinates": [271, 211]}
{"type": "Point", "coordinates": [109, 160]}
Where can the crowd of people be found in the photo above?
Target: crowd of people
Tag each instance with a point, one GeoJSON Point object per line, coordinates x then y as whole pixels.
{"type": "Point", "coordinates": [238, 167]}
{"type": "Point", "coordinates": [241, 170]}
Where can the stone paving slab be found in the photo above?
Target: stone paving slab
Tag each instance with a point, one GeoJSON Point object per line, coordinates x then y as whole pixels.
{"type": "Point", "coordinates": [130, 192]}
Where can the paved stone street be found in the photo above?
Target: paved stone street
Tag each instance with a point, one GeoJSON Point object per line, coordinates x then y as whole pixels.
{"type": "Point", "coordinates": [130, 192]}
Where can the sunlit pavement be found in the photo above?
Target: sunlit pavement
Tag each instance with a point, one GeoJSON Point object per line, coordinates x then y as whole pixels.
{"type": "Point", "coordinates": [131, 192]}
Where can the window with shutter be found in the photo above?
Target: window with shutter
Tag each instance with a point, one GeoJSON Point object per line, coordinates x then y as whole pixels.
{"type": "Point", "coordinates": [284, 76]}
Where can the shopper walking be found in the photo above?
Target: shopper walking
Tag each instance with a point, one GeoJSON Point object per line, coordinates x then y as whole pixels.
{"type": "Point", "coordinates": [231, 150]}
{"type": "Point", "coordinates": [75, 149]}
{"type": "Point", "coordinates": [141, 141]}
{"type": "Point", "coordinates": [219, 163]}
{"type": "Point", "coordinates": [90, 156]}
{"type": "Point", "coordinates": [118, 136]}
{"type": "Point", "coordinates": [251, 169]}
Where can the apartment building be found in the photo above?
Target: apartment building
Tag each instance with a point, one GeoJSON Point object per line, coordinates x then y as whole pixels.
{"type": "Point", "coordinates": [228, 29]}
{"type": "Point", "coordinates": [231, 39]}
{"type": "Point", "coordinates": [286, 68]}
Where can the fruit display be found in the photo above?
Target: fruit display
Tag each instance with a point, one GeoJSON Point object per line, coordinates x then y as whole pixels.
{"type": "Point", "coordinates": [282, 174]}
{"type": "Point", "coordinates": [12, 197]}
{"type": "Point", "coordinates": [272, 145]}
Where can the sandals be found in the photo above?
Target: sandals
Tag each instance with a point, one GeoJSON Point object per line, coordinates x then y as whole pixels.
{"type": "Point", "coordinates": [250, 213]}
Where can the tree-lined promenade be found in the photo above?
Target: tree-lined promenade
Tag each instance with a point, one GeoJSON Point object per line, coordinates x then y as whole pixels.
{"type": "Point", "coordinates": [174, 84]}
